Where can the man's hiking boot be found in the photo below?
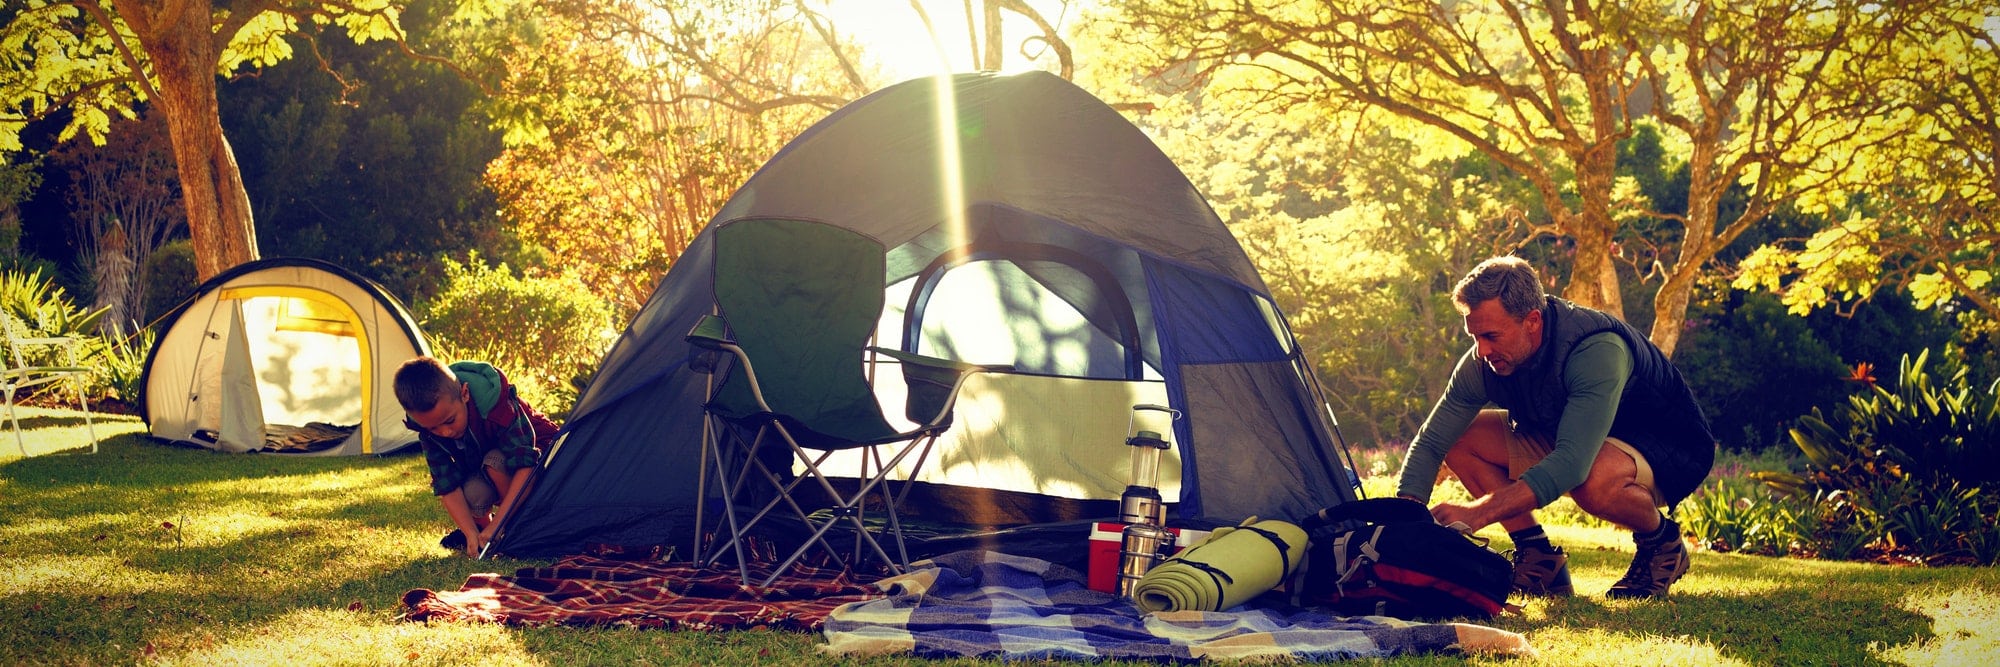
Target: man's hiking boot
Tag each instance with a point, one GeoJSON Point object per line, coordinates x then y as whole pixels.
{"type": "Point", "coordinates": [1657, 565]}
{"type": "Point", "coordinates": [1541, 569]}
{"type": "Point", "coordinates": [454, 540]}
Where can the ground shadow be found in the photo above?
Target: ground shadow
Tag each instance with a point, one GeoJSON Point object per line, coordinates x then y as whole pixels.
{"type": "Point", "coordinates": [1759, 627]}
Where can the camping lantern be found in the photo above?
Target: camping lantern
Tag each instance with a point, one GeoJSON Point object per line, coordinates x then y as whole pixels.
{"type": "Point", "coordinates": [1141, 503]}
{"type": "Point", "coordinates": [1144, 514]}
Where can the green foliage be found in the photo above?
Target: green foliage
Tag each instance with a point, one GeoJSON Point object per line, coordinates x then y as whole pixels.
{"type": "Point", "coordinates": [170, 278]}
{"type": "Point", "coordinates": [120, 365]}
{"type": "Point", "coordinates": [43, 307]}
{"type": "Point", "coordinates": [56, 54]}
{"type": "Point", "coordinates": [375, 166]}
{"type": "Point", "coordinates": [1749, 362]}
{"type": "Point", "coordinates": [1922, 461]}
{"type": "Point", "coordinates": [546, 333]}
{"type": "Point", "coordinates": [1752, 365]}
{"type": "Point", "coordinates": [1729, 514]}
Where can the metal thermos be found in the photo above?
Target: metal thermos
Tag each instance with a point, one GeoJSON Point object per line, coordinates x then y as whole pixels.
{"type": "Point", "coordinates": [1143, 547]}
{"type": "Point", "coordinates": [1142, 505]}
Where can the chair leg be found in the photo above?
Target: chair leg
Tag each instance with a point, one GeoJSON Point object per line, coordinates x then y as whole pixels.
{"type": "Point", "coordinates": [16, 422]}
{"type": "Point", "coordinates": [84, 401]}
{"type": "Point", "coordinates": [785, 496]}
{"type": "Point", "coordinates": [737, 528]}
{"type": "Point", "coordinates": [846, 506]}
{"type": "Point", "coordinates": [735, 544]}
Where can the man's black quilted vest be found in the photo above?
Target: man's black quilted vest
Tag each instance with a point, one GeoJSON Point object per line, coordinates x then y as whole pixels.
{"type": "Point", "coordinates": [1657, 414]}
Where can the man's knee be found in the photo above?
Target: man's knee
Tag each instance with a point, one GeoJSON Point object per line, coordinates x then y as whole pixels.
{"type": "Point", "coordinates": [1485, 439]}
{"type": "Point", "coordinates": [1612, 495]}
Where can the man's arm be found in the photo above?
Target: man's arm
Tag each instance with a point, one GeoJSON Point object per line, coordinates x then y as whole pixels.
{"type": "Point", "coordinates": [1463, 396]}
{"type": "Point", "coordinates": [1595, 378]}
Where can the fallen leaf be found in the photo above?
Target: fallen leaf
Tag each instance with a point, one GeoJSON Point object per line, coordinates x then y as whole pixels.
{"type": "Point", "coordinates": [411, 657]}
{"type": "Point", "coordinates": [167, 525]}
{"type": "Point", "coordinates": [100, 537]}
{"type": "Point", "coordinates": [148, 651]}
{"type": "Point", "coordinates": [354, 606]}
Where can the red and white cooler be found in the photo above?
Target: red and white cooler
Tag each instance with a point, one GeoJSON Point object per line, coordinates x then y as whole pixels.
{"type": "Point", "coordinates": [1107, 537]}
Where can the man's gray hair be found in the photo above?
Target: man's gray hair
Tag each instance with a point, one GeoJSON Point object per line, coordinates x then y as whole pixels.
{"type": "Point", "coordinates": [1507, 278]}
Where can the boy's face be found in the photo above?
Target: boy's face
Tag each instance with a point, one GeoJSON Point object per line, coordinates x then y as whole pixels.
{"type": "Point", "coordinates": [447, 419]}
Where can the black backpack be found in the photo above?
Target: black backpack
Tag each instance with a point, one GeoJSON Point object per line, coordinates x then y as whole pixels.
{"type": "Point", "coordinates": [1387, 557]}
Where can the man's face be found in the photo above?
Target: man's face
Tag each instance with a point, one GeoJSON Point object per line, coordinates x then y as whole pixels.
{"type": "Point", "coordinates": [1503, 342]}
{"type": "Point", "coordinates": [447, 419]}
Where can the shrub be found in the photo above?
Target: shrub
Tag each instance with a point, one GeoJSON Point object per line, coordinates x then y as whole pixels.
{"type": "Point", "coordinates": [546, 334]}
{"type": "Point", "coordinates": [1919, 466]}
{"type": "Point", "coordinates": [40, 308]}
{"type": "Point", "coordinates": [1729, 514]}
{"type": "Point", "coordinates": [1753, 365]}
{"type": "Point", "coordinates": [120, 364]}
{"type": "Point", "coordinates": [170, 279]}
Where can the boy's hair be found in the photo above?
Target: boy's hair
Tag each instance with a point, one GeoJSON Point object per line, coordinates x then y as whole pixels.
{"type": "Point", "coordinates": [422, 382]}
{"type": "Point", "coordinates": [1507, 278]}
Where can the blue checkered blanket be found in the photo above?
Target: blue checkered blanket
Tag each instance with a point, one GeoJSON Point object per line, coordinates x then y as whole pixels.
{"type": "Point", "coordinates": [990, 605]}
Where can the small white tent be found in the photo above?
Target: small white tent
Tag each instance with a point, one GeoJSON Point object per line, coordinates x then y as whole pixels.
{"type": "Point", "coordinates": [282, 355]}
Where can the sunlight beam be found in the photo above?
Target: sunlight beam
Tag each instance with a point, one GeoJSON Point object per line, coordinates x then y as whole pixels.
{"type": "Point", "coordinates": [951, 163]}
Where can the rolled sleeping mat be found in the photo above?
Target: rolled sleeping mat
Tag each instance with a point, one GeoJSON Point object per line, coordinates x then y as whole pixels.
{"type": "Point", "coordinates": [1225, 570]}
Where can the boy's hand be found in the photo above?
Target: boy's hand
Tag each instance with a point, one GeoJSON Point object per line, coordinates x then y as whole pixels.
{"type": "Point", "coordinates": [474, 543]}
{"type": "Point", "coordinates": [486, 534]}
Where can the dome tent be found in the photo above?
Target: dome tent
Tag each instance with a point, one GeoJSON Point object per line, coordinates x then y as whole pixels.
{"type": "Point", "coordinates": [284, 355]}
{"type": "Point", "coordinates": [1025, 223]}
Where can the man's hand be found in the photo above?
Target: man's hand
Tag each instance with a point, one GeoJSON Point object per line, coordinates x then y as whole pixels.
{"type": "Point", "coordinates": [1449, 513]}
{"type": "Point", "coordinates": [1514, 499]}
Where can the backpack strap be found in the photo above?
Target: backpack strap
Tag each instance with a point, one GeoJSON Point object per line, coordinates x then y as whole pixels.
{"type": "Point", "coordinates": [1395, 509]}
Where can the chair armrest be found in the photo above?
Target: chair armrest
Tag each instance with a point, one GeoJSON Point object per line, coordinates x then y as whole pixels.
{"type": "Point", "coordinates": [933, 382]}
{"type": "Point", "coordinates": [952, 365]}
{"type": "Point", "coordinates": [57, 340]}
{"type": "Point", "coordinates": [709, 333]}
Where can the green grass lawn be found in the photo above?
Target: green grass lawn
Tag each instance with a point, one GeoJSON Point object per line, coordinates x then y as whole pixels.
{"type": "Point", "coordinates": [145, 553]}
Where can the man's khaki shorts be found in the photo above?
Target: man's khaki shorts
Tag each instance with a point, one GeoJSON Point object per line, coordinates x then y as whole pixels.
{"type": "Point", "coordinates": [1524, 451]}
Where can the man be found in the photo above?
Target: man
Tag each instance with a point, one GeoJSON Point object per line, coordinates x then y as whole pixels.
{"type": "Point", "coordinates": [481, 441]}
{"type": "Point", "coordinates": [1588, 407]}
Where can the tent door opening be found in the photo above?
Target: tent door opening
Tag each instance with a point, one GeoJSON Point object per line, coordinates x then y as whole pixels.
{"type": "Point", "coordinates": [291, 361]}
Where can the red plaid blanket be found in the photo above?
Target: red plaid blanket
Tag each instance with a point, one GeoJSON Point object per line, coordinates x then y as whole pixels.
{"type": "Point", "coordinates": [588, 590]}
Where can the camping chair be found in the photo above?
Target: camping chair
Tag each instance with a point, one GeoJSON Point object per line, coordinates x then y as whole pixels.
{"type": "Point", "coordinates": [20, 375]}
{"type": "Point", "coordinates": [798, 303]}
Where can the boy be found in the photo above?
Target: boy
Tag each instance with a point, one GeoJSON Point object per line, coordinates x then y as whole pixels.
{"type": "Point", "coordinates": [481, 441]}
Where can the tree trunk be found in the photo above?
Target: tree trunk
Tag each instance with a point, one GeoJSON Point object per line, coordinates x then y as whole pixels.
{"type": "Point", "coordinates": [1593, 278]}
{"type": "Point", "coordinates": [990, 20]}
{"type": "Point", "coordinates": [1702, 234]}
{"type": "Point", "coordinates": [1670, 306]}
{"type": "Point", "coordinates": [182, 50]}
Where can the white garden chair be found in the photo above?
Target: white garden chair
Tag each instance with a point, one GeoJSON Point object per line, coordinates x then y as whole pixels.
{"type": "Point", "coordinates": [20, 375]}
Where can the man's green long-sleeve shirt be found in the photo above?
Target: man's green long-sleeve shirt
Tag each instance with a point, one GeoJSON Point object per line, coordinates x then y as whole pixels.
{"type": "Point", "coordinates": [1594, 379]}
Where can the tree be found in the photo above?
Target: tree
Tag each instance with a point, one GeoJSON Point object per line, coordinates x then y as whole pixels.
{"type": "Point", "coordinates": [1764, 96]}
{"type": "Point", "coordinates": [1928, 219]}
{"type": "Point", "coordinates": [1357, 232]}
{"type": "Point", "coordinates": [124, 205]}
{"type": "Point", "coordinates": [628, 123]}
{"type": "Point", "coordinates": [99, 58]}
{"type": "Point", "coordinates": [375, 163]}
{"type": "Point", "coordinates": [17, 182]}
